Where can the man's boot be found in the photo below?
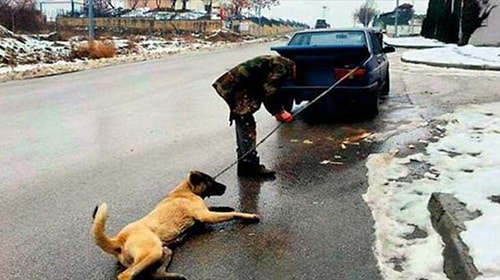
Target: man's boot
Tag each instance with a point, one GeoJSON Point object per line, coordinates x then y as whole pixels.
{"type": "Point", "coordinates": [254, 169]}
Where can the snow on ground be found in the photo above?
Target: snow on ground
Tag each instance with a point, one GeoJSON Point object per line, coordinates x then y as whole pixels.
{"type": "Point", "coordinates": [24, 56]}
{"type": "Point", "coordinates": [487, 57]}
{"type": "Point", "coordinates": [464, 162]}
{"type": "Point", "coordinates": [413, 42]}
{"type": "Point", "coordinates": [433, 52]}
{"type": "Point", "coordinates": [29, 50]}
{"type": "Point", "coordinates": [39, 58]}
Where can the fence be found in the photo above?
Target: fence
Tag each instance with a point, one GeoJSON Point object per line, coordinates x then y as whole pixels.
{"type": "Point", "coordinates": [129, 26]}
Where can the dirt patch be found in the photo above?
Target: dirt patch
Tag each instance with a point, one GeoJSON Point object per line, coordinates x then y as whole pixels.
{"type": "Point", "coordinates": [226, 36]}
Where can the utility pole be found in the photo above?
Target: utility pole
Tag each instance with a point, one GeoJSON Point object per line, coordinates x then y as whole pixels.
{"type": "Point", "coordinates": [324, 12]}
{"type": "Point", "coordinates": [413, 17]}
{"type": "Point", "coordinates": [91, 20]}
{"type": "Point", "coordinates": [396, 19]}
{"type": "Point", "coordinates": [259, 14]}
{"type": "Point", "coordinates": [366, 15]}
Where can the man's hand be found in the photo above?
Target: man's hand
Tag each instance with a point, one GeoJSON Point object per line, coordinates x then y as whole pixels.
{"type": "Point", "coordinates": [284, 116]}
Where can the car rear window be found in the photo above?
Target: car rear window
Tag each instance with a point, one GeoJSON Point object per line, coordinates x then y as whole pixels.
{"type": "Point", "coordinates": [335, 38]}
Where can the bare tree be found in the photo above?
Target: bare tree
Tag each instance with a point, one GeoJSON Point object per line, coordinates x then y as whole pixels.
{"type": "Point", "coordinates": [145, 3]}
{"type": "Point", "coordinates": [236, 6]}
{"type": "Point", "coordinates": [184, 4]}
{"type": "Point", "coordinates": [4, 4]}
{"type": "Point", "coordinates": [172, 7]}
{"type": "Point", "coordinates": [110, 4]}
{"type": "Point", "coordinates": [18, 7]}
{"type": "Point", "coordinates": [134, 4]}
{"type": "Point", "coordinates": [5, 10]}
{"type": "Point", "coordinates": [365, 14]}
{"type": "Point", "coordinates": [158, 4]}
{"type": "Point", "coordinates": [20, 15]}
{"type": "Point", "coordinates": [263, 3]}
{"type": "Point", "coordinates": [208, 6]}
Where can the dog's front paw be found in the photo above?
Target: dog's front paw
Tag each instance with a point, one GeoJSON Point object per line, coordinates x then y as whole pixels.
{"type": "Point", "coordinates": [253, 218]}
{"type": "Point", "coordinates": [174, 276]}
{"type": "Point", "coordinates": [177, 277]}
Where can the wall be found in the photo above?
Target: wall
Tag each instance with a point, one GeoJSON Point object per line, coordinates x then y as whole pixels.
{"type": "Point", "coordinates": [146, 26]}
{"type": "Point", "coordinates": [403, 30]}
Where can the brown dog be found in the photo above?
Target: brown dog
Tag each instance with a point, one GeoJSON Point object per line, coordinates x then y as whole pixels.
{"type": "Point", "coordinates": [144, 243]}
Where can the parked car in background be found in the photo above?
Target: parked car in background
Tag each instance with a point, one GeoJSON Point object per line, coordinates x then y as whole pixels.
{"type": "Point", "coordinates": [323, 56]}
{"type": "Point", "coordinates": [321, 23]}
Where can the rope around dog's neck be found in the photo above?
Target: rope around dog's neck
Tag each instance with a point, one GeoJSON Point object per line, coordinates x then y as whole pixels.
{"type": "Point", "coordinates": [281, 123]}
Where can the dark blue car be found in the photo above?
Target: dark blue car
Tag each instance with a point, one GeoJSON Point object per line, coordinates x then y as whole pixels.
{"type": "Point", "coordinates": [323, 56]}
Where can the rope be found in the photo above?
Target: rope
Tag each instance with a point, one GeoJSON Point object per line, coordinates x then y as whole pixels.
{"type": "Point", "coordinates": [281, 123]}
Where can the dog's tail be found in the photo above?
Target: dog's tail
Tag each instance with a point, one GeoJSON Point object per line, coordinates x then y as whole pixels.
{"type": "Point", "coordinates": [107, 244]}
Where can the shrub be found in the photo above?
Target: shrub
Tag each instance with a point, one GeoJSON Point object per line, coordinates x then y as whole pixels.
{"type": "Point", "coordinates": [94, 50]}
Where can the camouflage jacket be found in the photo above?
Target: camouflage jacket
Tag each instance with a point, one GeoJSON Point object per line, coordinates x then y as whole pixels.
{"type": "Point", "coordinates": [251, 83]}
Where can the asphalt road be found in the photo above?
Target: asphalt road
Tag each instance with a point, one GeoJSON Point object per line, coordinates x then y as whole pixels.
{"type": "Point", "coordinates": [128, 134]}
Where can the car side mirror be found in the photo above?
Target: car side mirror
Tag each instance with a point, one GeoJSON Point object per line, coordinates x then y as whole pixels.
{"type": "Point", "coordinates": [388, 49]}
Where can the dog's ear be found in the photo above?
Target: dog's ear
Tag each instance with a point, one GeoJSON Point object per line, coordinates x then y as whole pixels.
{"type": "Point", "coordinates": [195, 178]}
{"type": "Point", "coordinates": [95, 212]}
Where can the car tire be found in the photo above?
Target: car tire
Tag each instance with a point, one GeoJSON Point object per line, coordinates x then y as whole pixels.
{"type": "Point", "coordinates": [371, 105]}
{"type": "Point", "coordinates": [386, 87]}
{"type": "Point", "coordinates": [287, 102]}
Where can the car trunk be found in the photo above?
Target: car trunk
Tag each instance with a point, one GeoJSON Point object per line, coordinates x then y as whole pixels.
{"type": "Point", "coordinates": [317, 65]}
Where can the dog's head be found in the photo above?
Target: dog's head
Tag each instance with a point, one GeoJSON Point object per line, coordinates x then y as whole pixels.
{"type": "Point", "coordinates": [204, 185]}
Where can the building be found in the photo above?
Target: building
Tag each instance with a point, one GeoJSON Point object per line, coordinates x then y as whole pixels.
{"type": "Point", "coordinates": [52, 8]}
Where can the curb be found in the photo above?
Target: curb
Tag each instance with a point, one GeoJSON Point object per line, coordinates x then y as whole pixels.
{"type": "Point", "coordinates": [447, 216]}
{"type": "Point", "coordinates": [418, 47]}
{"type": "Point", "coordinates": [454, 65]}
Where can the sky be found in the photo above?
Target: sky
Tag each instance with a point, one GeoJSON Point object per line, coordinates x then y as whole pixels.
{"type": "Point", "coordinates": [338, 13]}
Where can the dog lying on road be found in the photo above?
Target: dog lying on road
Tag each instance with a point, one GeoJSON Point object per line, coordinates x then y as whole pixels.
{"type": "Point", "coordinates": [144, 244]}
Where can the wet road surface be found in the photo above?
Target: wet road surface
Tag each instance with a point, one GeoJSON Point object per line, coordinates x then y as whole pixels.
{"type": "Point", "coordinates": [315, 224]}
{"type": "Point", "coordinates": [128, 134]}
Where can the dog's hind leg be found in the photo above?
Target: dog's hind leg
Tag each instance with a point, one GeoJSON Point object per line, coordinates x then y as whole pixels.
{"type": "Point", "coordinates": [161, 272]}
{"type": "Point", "coordinates": [144, 257]}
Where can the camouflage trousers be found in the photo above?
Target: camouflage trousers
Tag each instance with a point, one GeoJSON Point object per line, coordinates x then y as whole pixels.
{"type": "Point", "coordinates": [246, 137]}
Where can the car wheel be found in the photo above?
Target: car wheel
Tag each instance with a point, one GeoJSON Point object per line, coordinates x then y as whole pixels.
{"type": "Point", "coordinates": [385, 89]}
{"type": "Point", "coordinates": [288, 103]}
{"type": "Point", "coordinates": [371, 105]}
{"type": "Point", "coordinates": [286, 100]}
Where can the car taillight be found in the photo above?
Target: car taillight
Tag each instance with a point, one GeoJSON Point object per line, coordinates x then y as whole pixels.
{"type": "Point", "coordinates": [359, 74]}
